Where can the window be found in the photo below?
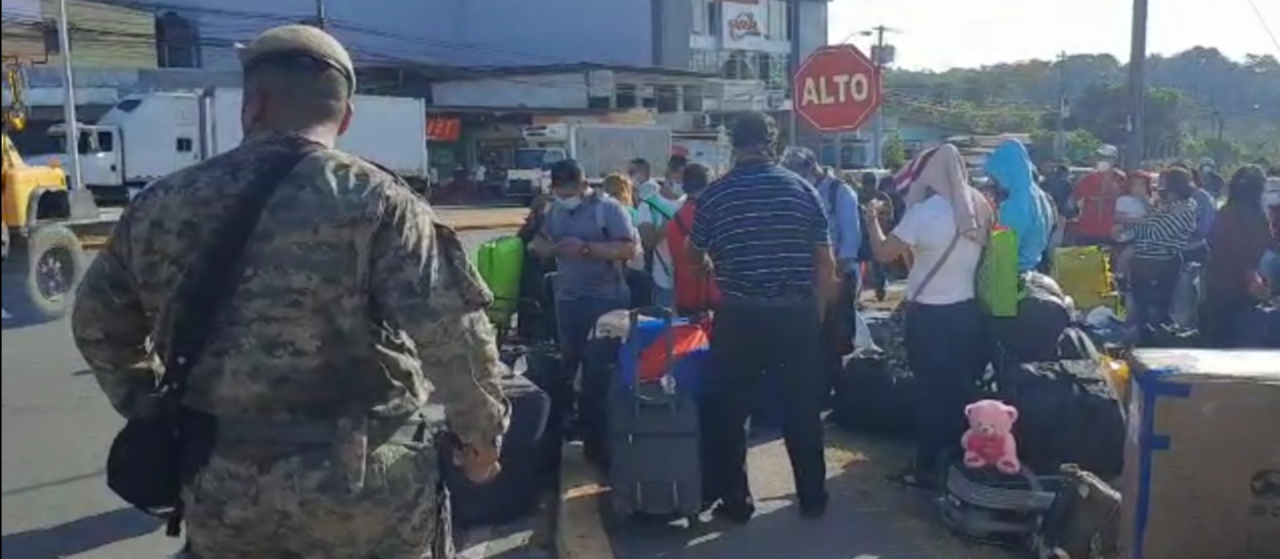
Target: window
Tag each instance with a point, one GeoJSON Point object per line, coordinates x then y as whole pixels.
{"type": "Point", "coordinates": [779, 20]}
{"type": "Point", "coordinates": [701, 25]}
{"type": "Point", "coordinates": [713, 15]}
{"type": "Point", "coordinates": [128, 105]}
{"type": "Point", "coordinates": [52, 42]}
{"type": "Point", "coordinates": [773, 70]}
{"type": "Point", "coordinates": [106, 141]}
{"type": "Point", "coordinates": [185, 145]}
{"type": "Point", "coordinates": [705, 61]}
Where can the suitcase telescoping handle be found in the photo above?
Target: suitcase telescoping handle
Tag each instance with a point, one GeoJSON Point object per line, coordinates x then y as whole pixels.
{"type": "Point", "coordinates": [668, 380]}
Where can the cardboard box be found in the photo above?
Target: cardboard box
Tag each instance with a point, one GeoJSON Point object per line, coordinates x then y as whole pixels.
{"type": "Point", "coordinates": [1202, 456]}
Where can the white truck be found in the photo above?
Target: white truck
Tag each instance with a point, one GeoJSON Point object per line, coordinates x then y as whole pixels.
{"type": "Point", "coordinates": [710, 148]}
{"type": "Point", "coordinates": [149, 135]}
{"type": "Point", "coordinates": [601, 149]}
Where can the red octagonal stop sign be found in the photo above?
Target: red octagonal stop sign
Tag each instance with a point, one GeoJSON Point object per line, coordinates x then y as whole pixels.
{"type": "Point", "coordinates": [837, 88]}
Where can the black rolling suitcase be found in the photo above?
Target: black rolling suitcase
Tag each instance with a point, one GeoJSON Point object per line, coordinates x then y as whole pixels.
{"type": "Point", "coordinates": [655, 464]}
{"type": "Point", "coordinates": [514, 492]}
{"type": "Point", "coordinates": [599, 367]}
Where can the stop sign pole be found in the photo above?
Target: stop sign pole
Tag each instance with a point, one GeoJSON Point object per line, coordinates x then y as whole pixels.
{"type": "Point", "coordinates": [836, 89]}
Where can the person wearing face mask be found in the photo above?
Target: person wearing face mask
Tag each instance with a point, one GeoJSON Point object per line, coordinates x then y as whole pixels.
{"type": "Point", "coordinates": [651, 219]}
{"type": "Point", "coordinates": [591, 237]}
{"type": "Point", "coordinates": [641, 173]}
{"type": "Point", "coordinates": [1093, 200]}
{"type": "Point", "coordinates": [1024, 207]}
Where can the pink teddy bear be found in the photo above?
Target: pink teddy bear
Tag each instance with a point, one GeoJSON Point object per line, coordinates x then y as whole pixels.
{"type": "Point", "coordinates": [989, 440]}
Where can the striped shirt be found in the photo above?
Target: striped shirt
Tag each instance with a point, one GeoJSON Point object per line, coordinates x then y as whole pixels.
{"type": "Point", "coordinates": [761, 224]}
{"type": "Point", "coordinates": [1164, 234]}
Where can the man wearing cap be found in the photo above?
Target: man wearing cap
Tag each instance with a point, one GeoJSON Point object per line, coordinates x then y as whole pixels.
{"type": "Point", "coordinates": [844, 224]}
{"type": "Point", "coordinates": [1093, 200]}
{"type": "Point", "coordinates": [355, 305]}
{"type": "Point", "coordinates": [764, 231]}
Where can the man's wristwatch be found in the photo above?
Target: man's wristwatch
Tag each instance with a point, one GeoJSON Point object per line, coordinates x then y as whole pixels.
{"type": "Point", "coordinates": [586, 249]}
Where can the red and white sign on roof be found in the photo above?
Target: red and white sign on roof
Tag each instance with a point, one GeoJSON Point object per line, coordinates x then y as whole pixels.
{"type": "Point", "coordinates": [743, 24]}
{"type": "Point", "coordinates": [444, 129]}
{"type": "Point", "coordinates": [837, 89]}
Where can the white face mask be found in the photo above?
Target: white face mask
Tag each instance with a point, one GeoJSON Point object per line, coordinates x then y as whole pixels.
{"type": "Point", "coordinates": [1105, 165]}
{"type": "Point", "coordinates": [1270, 198]}
{"type": "Point", "coordinates": [677, 188]}
{"type": "Point", "coordinates": [571, 203]}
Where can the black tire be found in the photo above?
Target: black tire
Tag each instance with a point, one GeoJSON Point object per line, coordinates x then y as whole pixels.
{"type": "Point", "coordinates": [50, 264]}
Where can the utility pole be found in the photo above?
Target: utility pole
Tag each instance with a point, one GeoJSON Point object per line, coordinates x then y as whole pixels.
{"type": "Point", "coordinates": [881, 56]}
{"type": "Point", "coordinates": [75, 180]}
{"type": "Point", "coordinates": [1060, 138]}
{"type": "Point", "coordinates": [793, 33]}
{"type": "Point", "coordinates": [1137, 86]}
{"type": "Point", "coordinates": [322, 20]}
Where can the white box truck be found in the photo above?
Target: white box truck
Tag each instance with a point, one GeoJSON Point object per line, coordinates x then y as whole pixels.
{"type": "Point", "coordinates": [600, 149]}
{"type": "Point", "coordinates": [149, 135]}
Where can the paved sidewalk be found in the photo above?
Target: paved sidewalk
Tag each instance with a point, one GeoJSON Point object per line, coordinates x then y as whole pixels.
{"type": "Point", "coordinates": [868, 518]}
{"type": "Point", "coordinates": [461, 218]}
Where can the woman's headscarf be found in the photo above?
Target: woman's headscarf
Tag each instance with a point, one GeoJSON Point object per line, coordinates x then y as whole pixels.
{"type": "Point", "coordinates": [941, 171]}
{"type": "Point", "coordinates": [1026, 209]}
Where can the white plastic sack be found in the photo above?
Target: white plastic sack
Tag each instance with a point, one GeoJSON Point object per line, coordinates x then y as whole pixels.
{"type": "Point", "coordinates": [1186, 296]}
{"type": "Point", "coordinates": [862, 339]}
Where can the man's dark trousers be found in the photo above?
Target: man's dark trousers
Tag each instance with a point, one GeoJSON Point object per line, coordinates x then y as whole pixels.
{"type": "Point", "coordinates": [753, 341]}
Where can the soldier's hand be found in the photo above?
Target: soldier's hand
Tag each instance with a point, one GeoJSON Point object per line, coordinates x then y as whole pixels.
{"type": "Point", "coordinates": [478, 462]}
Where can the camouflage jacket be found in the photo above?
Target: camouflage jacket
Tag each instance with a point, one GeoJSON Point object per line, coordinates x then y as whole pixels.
{"type": "Point", "coordinates": [355, 301]}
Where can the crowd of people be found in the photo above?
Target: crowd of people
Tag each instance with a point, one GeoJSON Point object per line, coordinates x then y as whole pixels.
{"type": "Point", "coordinates": [782, 243]}
{"type": "Point", "coordinates": [282, 407]}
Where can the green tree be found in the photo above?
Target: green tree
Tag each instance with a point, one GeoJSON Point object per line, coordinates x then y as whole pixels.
{"type": "Point", "coordinates": [895, 153]}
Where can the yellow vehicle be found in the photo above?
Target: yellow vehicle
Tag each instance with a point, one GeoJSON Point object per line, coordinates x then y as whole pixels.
{"type": "Point", "coordinates": [43, 258]}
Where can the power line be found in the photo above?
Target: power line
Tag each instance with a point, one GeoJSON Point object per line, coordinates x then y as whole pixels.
{"type": "Point", "coordinates": [1265, 26]}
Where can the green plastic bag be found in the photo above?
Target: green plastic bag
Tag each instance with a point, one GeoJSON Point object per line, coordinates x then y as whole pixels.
{"type": "Point", "coordinates": [998, 275]}
{"type": "Point", "coordinates": [500, 263]}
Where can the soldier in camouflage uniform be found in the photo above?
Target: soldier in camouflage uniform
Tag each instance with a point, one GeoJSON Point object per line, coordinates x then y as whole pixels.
{"type": "Point", "coordinates": [356, 304]}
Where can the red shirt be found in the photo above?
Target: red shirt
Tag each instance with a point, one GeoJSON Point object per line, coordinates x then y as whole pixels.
{"type": "Point", "coordinates": [696, 290]}
{"type": "Point", "coordinates": [1097, 202]}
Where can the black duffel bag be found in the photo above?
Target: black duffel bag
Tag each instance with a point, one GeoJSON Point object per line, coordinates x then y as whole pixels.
{"type": "Point", "coordinates": [1068, 413]}
{"type": "Point", "coordinates": [871, 394]}
{"type": "Point", "coordinates": [164, 444]}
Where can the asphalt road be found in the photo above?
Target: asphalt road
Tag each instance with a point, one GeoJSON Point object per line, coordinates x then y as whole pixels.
{"type": "Point", "coordinates": [56, 429]}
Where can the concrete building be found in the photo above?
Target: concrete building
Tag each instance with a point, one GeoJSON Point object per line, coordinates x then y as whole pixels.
{"type": "Point", "coordinates": [744, 44]}
{"type": "Point", "coordinates": [684, 61]}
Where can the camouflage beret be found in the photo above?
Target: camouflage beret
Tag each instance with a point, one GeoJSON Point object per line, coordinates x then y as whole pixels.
{"type": "Point", "coordinates": [301, 41]}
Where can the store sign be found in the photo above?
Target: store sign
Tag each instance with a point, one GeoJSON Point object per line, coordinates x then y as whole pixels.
{"type": "Point", "coordinates": [744, 24]}
{"type": "Point", "coordinates": [444, 129]}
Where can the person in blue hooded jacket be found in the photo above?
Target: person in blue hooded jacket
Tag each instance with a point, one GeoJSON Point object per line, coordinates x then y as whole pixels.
{"type": "Point", "coordinates": [1024, 207]}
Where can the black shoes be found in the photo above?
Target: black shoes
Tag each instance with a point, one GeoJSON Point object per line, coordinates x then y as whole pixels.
{"type": "Point", "coordinates": [737, 513]}
{"type": "Point", "coordinates": [812, 508]}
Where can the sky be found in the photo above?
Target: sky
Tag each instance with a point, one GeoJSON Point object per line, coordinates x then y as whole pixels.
{"type": "Point", "coordinates": [942, 34]}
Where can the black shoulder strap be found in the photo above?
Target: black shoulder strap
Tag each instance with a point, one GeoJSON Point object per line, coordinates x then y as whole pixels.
{"type": "Point", "coordinates": [213, 276]}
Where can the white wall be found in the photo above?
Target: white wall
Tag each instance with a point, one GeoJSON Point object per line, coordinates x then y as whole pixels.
{"type": "Point", "coordinates": [550, 91]}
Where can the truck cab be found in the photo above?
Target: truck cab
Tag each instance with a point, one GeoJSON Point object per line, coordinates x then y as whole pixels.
{"type": "Point", "coordinates": [100, 160]}
{"type": "Point", "coordinates": [544, 146]}
{"type": "Point", "coordinates": [142, 138]}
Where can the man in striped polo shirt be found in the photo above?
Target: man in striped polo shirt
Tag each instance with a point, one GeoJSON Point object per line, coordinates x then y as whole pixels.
{"type": "Point", "coordinates": [764, 232]}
